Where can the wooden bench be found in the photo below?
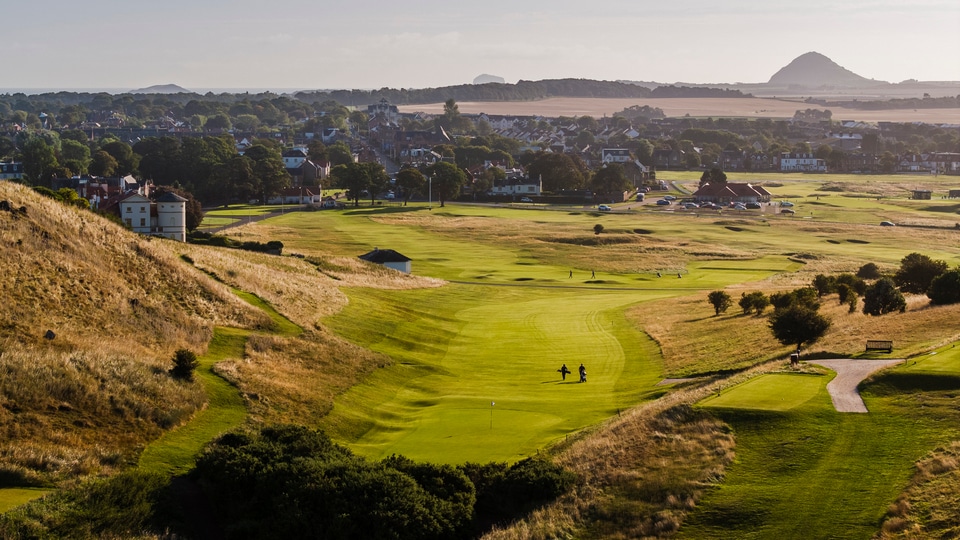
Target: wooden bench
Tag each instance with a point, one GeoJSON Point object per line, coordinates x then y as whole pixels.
{"type": "Point", "coordinates": [879, 345]}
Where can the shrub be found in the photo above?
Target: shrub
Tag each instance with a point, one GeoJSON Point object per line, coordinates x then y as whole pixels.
{"type": "Point", "coordinates": [597, 229]}
{"type": "Point", "coordinates": [184, 364]}
{"type": "Point", "coordinates": [755, 301]}
{"type": "Point", "coordinates": [945, 288]}
{"type": "Point", "coordinates": [883, 297]}
{"type": "Point", "coordinates": [916, 273]}
{"type": "Point", "coordinates": [720, 301]}
{"type": "Point", "coordinates": [869, 271]}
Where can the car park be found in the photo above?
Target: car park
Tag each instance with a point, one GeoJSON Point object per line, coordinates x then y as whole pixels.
{"type": "Point", "coordinates": [604, 208]}
{"type": "Point", "coordinates": [663, 202]}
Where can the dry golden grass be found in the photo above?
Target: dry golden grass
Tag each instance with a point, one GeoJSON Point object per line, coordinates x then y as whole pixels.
{"type": "Point", "coordinates": [295, 379]}
{"type": "Point", "coordinates": [928, 508]}
{"type": "Point", "coordinates": [119, 305]}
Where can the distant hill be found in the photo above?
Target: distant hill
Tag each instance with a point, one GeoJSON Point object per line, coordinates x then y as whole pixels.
{"type": "Point", "coordinates": [162, 89]}
{"type": "Point", "coordinates": [815, 70]}
{"type": "Point", "coordinates": [484, 79]}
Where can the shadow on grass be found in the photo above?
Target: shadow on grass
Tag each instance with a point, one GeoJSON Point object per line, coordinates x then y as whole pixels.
{"type": "Point", "coordinates": [894, 383]}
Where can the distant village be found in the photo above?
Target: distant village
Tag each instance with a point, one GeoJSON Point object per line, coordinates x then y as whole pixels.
{"type": "Point", "coordinates": [639, 139]}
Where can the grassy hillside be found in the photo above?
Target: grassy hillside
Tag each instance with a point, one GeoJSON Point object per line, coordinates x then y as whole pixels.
{"type": "Point", "coordinates": [118, 305]}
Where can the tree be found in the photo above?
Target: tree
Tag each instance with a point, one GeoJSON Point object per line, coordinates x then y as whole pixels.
{"type": "Point", "coordinates": [755, 301]}
{"type": "Point", "coordinates": [869, 271]}
{"type": "Point", "coordinates": [448, 179]}
{"type": "Point", "coordinates": [883, 297]}
{"type": "Point", "coordinates": [377, 179]}
{"type": "Point", "coordinates": [720, 301]}
{"type": "Point", "coordinates": [598, 228]}
{"type": "Point", "coordinates": [805, 297]}
{"type": "Point", "coordinates": [411, 182]}
{"type": "Point", "coordinates": [611, 180]}
{"type": "Point", "coordinates": [714, 176]}
{"type": "Point", "coordinates": [353, 178]}
{"type": "Point", "coordinates": [317, 151]}
{"type": "Point", "coordinates": [916, 273]}
{"type": "Point", "coordinates": [103, 164]}
{"type": "Point", "coordinates": [797, 325]}
{"type": "Point", "coordinates": [184, 364]}
{"type": "Point", "coordinates": [127, 161]}
{"type": "Point", "coordinates": [339, 153]}
{"type": "Point", "coordinates": [824, 284]}
{"type": "Point", "coordinates": [268, 169]}
{"type": "Point", "coordinates": [39, 161]}
{"type": "Point", "coordinates": [75, 155]}
{"type": "Point", "coordinates": [557, 172]}
{"type": "Point", "coordinates": [945, 288]}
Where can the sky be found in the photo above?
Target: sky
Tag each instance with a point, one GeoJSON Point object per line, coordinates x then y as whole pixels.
{"type": "Point", "coordinates": [319, 44]}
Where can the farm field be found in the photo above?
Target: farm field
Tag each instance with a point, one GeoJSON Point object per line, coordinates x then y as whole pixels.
{"type": "Point", "coordinates": [677, 107]}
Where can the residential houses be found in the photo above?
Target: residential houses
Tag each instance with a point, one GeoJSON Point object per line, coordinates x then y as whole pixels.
{"type": "Point", "coordinates": [11, 170]}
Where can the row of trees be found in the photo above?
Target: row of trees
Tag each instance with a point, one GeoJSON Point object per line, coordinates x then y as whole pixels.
{"type": "Point", "coordinates": [796, 320]}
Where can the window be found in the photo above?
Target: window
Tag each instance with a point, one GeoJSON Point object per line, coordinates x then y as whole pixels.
{"type": "Point", "coordinates": [129, 209]}
{"type": "Point", "coordinates": [143, 222]}
{"type": "Point", "coordinates": [129, 221]}
{"type": "Point", "coordinates": [143, 209]}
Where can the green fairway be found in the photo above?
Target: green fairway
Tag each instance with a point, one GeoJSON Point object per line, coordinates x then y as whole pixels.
{"type": "Point", "coordinates": [770, 392]}
{"type": "Point", "coordinates": [175, 451]}
{"type": "Point", "coordinates": [943, 361]}
{"type": "Point", "coordinates": [475, 364]}
{"type": "Point", "coordinates": [476, 375]}
{"type": "Point", "coordinates": [13, 497]}
{"type": "Point", "coordinates": [811, 472]}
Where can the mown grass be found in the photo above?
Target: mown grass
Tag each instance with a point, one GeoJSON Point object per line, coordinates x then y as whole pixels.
{"type": "Point", "coordinates": [175, 451]}
{"type": "Point", "coordinates": [13, 497]}
{"type": "Point", "coordinates": [770, 392]}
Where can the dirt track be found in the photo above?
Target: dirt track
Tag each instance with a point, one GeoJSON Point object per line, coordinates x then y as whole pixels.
{"type": "Point", "coordinates": [843, 388]}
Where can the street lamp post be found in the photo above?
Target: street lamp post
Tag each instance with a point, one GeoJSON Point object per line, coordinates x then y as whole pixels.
{"type": "Point", "coordinates": [430, 193]}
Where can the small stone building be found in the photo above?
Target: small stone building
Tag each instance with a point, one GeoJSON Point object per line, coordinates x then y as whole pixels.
{"type": "Point", "coordinates": [388, 258]}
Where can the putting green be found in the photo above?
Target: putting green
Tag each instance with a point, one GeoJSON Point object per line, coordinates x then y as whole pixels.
{"type": "Point", "coordinates": [943, 361]}
{"type": "Point", "coordinates": [770, 392]}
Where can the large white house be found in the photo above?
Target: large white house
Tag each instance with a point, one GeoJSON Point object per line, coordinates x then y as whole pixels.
{"type": "Point", "coordinates": [802, 162]}
{"type": "Point", "coordinates": [167, 217]}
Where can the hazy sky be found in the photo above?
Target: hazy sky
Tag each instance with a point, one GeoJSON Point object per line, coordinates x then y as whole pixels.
{"type": "Point", "coordinates": [202, 44]}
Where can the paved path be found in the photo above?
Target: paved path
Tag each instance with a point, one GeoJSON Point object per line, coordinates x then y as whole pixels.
{"type": "Point", "coordinates": [843, 388]}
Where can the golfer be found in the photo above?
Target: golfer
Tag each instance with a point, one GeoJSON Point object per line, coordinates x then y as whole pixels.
{"type": "Point", "coordinates": [563, 371]}
{"type": "Point", "coordinates": [583, 373]}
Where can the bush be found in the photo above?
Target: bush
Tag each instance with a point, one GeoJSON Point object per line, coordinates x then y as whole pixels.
{"type": "Point", "coordinates": [184, 364]}
{"type": "Point", "coordinates": [945, 288]}
{"type": "Point", "coordinates": [755, 301]}
{"type": "Point", "coordinates": [883, 297]}
{"type": "Point", "coordinates": [869, 271]}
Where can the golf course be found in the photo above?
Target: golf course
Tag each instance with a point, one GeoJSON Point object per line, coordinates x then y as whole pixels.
{"type": "Point", "coordinates": [473, 371]}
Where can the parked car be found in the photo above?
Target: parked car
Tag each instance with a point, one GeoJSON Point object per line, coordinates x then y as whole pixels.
{"type": "Point", "coordinates": [526, 199]}
{"type": "Point", "coordinates": [669, 197]}
{"type": "Point", "coordinates": [754, 205]}
{"type": "Point", "coordinates": [787, 211]}
{"type": "Point", "coordinates": [691, 205]}
{"type": "Point", "coordinates": [739, 206]}
{"type": "Point", "coordinates": [604, 208]}
{"type": "Point", "coordinates": [640, 196]}
{"type": "Point", "coordinates": [663, 202]}
{"type": "Point", "coordinates": [786, 203]}
{"type": "Point", "coordinates": [887, 224]}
